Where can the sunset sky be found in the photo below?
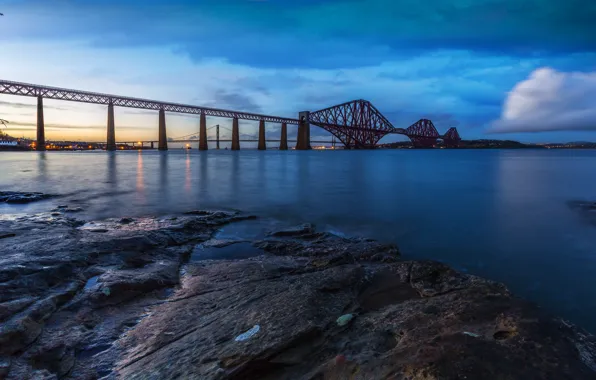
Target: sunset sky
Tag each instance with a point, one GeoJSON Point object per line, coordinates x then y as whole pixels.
{"type": "Point", "coordinates": [509, 69]}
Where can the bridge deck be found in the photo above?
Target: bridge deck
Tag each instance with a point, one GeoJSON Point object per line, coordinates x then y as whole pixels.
{"type": "Point", "coordinates": [33, 90]}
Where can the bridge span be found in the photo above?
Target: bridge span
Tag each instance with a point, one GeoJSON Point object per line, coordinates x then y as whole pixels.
{"type": "Point", "coordinates": [356, 124]}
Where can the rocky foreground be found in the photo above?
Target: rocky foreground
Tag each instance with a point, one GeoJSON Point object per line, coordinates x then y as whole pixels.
{"type": "Point", "coordinates": [120, 299]}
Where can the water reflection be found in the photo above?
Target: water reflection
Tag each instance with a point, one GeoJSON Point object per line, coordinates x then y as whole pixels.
{"type": "Point", "coordinates": [234, 171]}
{"type": "Point", "coordinates": [111, 171]}
{"type": "Point", "coordinates": [140, 181]}
{"type": "Point", "coordinates": [164, 187]}
{"type": "Point", "coordinates": [41, 166]}
{"type": "Point", "coordinates": [187, 174]}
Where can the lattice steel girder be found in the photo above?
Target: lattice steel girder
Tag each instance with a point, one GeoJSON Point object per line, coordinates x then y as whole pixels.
{"type": "Point", "coordinates": [359, 114]}
{"type": "Point", "coordinates": [422, 128]}
{"type": "Point", "coordinates": [25, 89]}
{"type": "Point", "coordinates": [452, 134]}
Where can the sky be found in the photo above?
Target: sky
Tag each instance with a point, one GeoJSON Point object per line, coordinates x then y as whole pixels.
{"type": "Point", "coordinates": [507, 69]}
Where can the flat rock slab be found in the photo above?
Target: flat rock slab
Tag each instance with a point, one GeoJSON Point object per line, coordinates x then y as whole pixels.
{"type": "Point", "coordinates": [128, 304]}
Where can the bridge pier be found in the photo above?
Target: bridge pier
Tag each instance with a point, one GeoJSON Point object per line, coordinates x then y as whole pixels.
{"type": "Point", "coordinates": [163, 139]}
{"type": "Point", "coordinates": [303, 138]}
{"type": "Point", "coordinates": [235, 135]}
{"type": "Point", "coordinates": [283, 143]}
{"type": "Point", "coordinates": [203, 132]}
{"type": "Point", "coordinates": [41, 136]}
{"type": "Point", "coordinates": [111, 138]}
{"type": "Point", "coordinates": [262, 144]}
{"type": "Point", "coordinates": [217, 136]}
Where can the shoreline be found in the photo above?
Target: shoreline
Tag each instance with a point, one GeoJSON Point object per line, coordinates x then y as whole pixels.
{"type": "Point", "coordinates": [132, 298]}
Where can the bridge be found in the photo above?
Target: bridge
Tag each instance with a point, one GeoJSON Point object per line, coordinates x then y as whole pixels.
{"type": "Point", "coordinates": [356, 124]}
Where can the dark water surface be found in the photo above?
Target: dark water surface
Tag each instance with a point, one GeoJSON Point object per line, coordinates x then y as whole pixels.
{"type": "Point", "coordinates": [499, 214]}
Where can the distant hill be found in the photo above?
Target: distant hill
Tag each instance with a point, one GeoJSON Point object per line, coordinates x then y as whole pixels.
{"type": "Point", "coordinates": [496, 144]}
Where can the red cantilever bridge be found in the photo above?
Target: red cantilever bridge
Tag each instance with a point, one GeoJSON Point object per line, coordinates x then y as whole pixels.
{"type": "Point", "coordinates": [357, 124]}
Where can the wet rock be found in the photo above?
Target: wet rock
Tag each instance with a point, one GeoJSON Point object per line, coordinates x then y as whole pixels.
{"type": "Point", "coordinates": [81, 305]}
{"type": "Point", "coordinates": [65, 290]}
{"type": "Point", "coordinates": [22, 197]}
{"type": "Point", "coordinates": [301, 230]}
{"type": "Point", "coordinates": [220, 243]}
{"type": "Point", "coordinates": [64, 208]}
{"type": "Point", "coordinates": [4, 235]}
{"type": "Point", "coordinates": [411, 321]}
{"type": "Point", "coordinates": [126, 220]}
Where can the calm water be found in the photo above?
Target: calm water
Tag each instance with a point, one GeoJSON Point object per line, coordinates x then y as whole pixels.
{"type": "Point", "coordinates": [498, 214]}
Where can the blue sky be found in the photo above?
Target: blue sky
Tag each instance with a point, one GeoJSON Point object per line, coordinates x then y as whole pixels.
{"type": "Point", "coordinates": [515, 69]}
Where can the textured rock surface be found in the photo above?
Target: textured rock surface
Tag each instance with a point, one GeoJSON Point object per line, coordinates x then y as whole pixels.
{"type": "Point", "coordinates": [21, 197]}
{"type": "Point", "coordinates": [126, 303]}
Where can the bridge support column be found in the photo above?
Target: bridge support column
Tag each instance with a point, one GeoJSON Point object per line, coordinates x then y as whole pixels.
{"type": "Point", "coordinates": [203, 132]}
{"type": "Point", "coordinates": [283, 143]}
{"type": "Point", "coordinates": [41, 136]}
{"type": "Point", "coordinates": [111, 138]}
{"type": "Point", "coordinates": [235, 135]}
{"type": "Point", "coordinates": [262, 144]}
{"type": "Point", "coordinates": [163, 139]}
{"type": "Point", "coordinates": [152, 145]}
{"type": "Point", "coordinates": [303, 138]}
{"type": "Point", "coordinates": [217, 136]}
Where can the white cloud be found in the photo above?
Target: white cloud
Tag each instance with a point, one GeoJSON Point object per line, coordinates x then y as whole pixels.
{"type": "Point", "coordinates": [550, 101]}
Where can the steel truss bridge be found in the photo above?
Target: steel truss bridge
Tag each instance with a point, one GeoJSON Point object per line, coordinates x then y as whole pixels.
{"type": "Point", "coordinates": [357, 124]}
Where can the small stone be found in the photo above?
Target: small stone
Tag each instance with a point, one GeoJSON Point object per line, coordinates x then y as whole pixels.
{"type": "Point", "coordinates": [249, 334]}
{"type": "Point", "coordinates": [344, 319]}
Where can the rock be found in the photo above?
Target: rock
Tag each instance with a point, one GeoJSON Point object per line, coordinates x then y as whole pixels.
{"type": "Point", "coordinates": [197, 212]}
{"type": "Point", "coordinates": [220, 243]}
{"type": "Point", "coordinates": [4, 235]}
{"type": "Point", "coordinates": [22, 197]}
{"type": "Point", "coordinates": [67, 209]}
{"type": "Point", "coordinates": [126, 220]}
{"type": "Point", "coordinates": [411, 322]}
{"type": "Point", "coordinates": [80, 305]}
{"type": "Point", "coordinates": [303, 229]}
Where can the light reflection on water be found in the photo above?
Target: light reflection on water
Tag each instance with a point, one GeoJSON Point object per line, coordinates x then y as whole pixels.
{"type": "Point", "coordinates": [499, 214]}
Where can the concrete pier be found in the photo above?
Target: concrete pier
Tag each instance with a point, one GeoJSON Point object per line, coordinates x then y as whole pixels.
{"type": "Point", "coordinates": [217, 136]}
{"type": "Point", "coordinates": [283, 142]}
{"type": "Point", "coordinates": [203, 133]}
{"type": "Point", "coordinates": [163, 138]}
{"type": "Point", "coordinates": [235, 135]}
{"type": "Point", "coordinates": [303, 138]}
{"type": "Point", "coordinates": [41, 135]}
{"type": "Point", "coordinates": [111, 138]}
{"type": "Point", "coordinates": [262, 144]}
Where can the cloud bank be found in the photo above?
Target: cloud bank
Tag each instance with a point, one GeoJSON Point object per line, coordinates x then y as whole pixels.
{"type": "Point", "coordinates": [550, 100]}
